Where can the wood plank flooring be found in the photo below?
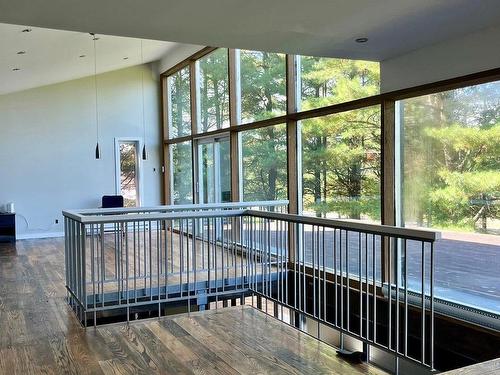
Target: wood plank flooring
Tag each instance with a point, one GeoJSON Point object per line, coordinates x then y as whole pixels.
{"type": "Point", "coordinates": [485, 368]}
{"type": "Point", "coordinates": [40, 335]}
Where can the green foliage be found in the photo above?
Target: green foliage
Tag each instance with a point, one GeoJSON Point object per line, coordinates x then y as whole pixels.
{"type": "Point", "coordinates": [182, 178]}
{"type": "Point", "coordinates": [263, 85]}
{"type": "Point", "coordinates": [180, 103]}
{"type": "Point", "coordinates": [214, 90]}
{"type": "Point", "coordinates": [264, 164]}
{"type": "Point", "coordinates": [340, 153]}
{"type": "Point", "coordinates": [452, 158]}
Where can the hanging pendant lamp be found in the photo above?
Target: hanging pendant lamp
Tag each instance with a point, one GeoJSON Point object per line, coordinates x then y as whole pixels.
{"type": "Point", "coordinates": [144, 152]}
{"type": "Point", "coordinates": [97, 149]}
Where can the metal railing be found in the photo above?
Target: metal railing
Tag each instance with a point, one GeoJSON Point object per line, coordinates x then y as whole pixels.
{"type": "Point", "coordinates": [347, 275]}
{"type": "Point", "coordinates": [353, 277]}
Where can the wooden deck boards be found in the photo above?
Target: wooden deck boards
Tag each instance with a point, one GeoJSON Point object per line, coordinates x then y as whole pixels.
{"type": "Point", "coordinates": [39, 333]}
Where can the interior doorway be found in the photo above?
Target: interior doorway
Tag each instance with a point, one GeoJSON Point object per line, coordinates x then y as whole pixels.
{"type": "Point", "coordinates": [128, 171]}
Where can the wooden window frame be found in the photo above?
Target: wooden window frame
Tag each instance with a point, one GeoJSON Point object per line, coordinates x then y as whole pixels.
{"type": "Point", "coordinates": [386, 101]}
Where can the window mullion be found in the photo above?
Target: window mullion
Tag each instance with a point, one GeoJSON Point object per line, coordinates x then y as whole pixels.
{"type": "Point", "coordinates": [235, 119]}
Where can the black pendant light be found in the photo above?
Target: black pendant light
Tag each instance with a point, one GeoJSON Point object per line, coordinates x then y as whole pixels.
{"type": "Point", "coordinates": [97, 149]}
{"type": "Point", "coordinates": [144, 152]}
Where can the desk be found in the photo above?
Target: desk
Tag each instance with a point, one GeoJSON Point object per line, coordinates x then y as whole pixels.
{"type": "Point", "coordinates": [7, 227]}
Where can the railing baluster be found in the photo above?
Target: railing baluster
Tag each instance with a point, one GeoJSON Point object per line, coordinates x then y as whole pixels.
{"type": "Point", "coordinates": [405, 255]}
{"type": "Point", "coordinates": [348, 281]}
{"type": "Point", "coordinates": [360, 287]}
{"type": "Point", "coordinates": [423, 303]}
{"type": "Point", "coordinates": [367, 296]}
{"type": "Point", "coordinates": [374, 255]}
{"type": "Point", "coordinates": [431, 363]}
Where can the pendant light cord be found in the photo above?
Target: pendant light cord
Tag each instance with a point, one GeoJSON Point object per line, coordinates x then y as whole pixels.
{"type": "Point", "coordinates": [95, 88]}
{"type": "Point", "coordinates": [142, 87]}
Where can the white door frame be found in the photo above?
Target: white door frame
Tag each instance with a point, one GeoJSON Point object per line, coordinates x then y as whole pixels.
{"type": "Point", "coordinates": [139, 143]}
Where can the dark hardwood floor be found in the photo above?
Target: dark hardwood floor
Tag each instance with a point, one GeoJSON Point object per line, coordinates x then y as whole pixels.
{"type": "Point", "coordinates": [40, 335]}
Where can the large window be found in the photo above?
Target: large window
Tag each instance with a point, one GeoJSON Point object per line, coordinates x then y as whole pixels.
{"type": "Point", "coordinates": [264, 164]}
{"type": "Point", "coordinates": [213, 91]}
{"type": "Point", "coordinates": [446, 146]}
{"type": "Point", "coordinates": [341, 165]}
{"type": "Point", "coordinates": [181, 172]}
{"type": "Point", "coordinates": [263, 85]}
{"type": "Point", "coordinates": [179, 113]}
{"type": "Point", "coordinates": [326, 81]}
{"type": "Point", "coordinates": [450, 170]}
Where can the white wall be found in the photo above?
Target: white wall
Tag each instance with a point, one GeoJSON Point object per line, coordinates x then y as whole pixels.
{"type": "Point", "coordinates": [176, 55]}
{"type": "Point", "coordinates": [457, 57]}
{"type": "Point", "coordinates": [47, 143]}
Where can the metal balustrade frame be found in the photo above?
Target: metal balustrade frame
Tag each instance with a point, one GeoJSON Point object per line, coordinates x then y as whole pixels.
{"type": "Point", "coordinates": [347, 275]}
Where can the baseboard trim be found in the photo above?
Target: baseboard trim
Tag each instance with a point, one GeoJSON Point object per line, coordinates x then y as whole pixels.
{"type": "Point", "coordinates": [29, 236]}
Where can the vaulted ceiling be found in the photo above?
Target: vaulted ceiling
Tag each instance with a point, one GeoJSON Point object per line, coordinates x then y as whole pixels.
{"type": "Point", "coordinates": [312, 27]}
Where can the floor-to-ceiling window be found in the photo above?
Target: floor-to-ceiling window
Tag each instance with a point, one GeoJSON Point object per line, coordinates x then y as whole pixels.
{"type": "Point", "coordinates": [450, 181]}
{"type": "Point", "coordinates": [318, 132]}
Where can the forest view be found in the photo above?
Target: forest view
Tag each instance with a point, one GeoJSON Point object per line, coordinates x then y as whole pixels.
{"type": "Point", "coordinates": [450, 165]}
{"type": "Point", "coordinates": [451, 159]}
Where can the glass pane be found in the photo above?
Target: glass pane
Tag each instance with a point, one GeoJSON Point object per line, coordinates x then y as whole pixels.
{"type": "Point", "coordinates": [182, 180]}
{"type": "Point", "coordinates": [263, 85]}
{"type": "Point", "coordinates": [341, 165]}
{"type": "Point", "coordinates": [225, 171]}
{"type": "Point", "coordinates": [213, 91]}
{"type": "Point", "coordinates": [325, 81]}
{"type": "Point", "coordinates": [264, 164]}
{"type": "Point", "coordinates": [179, 113]}
{"type": "Point", "coordinates": [128, 174]}
{"type": "Point", "coordinates": [207, 173]}
{"type": "Point", "coordinates": [214, 172]}
{"type": "Point", "coordinates": [451, 182]}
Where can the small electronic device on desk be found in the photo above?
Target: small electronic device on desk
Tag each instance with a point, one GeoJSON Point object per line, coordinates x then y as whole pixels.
{"type": "Point", "coordinates": [7, 227]}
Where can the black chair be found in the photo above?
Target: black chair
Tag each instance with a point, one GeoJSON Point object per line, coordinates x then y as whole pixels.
{"type": "Point", "coordinates": [112, 201]}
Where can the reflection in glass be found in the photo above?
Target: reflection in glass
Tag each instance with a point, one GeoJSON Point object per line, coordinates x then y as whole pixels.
{"type": "Point", "coordinates": [450, 177]}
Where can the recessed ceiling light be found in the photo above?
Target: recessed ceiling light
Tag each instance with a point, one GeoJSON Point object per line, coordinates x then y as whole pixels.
{"type": "Point", "coordinates": [125, 58]}
{"type": "Point", "coordinates": [21, 52]}
{"type": "Point", "coordinates": [361, 40]}
{"type": "Point", "coordinates": [82, 56]}
{"type": "Point", "coordinates": [16, 69]}
{"type": "Point", "coordinates": [27, 30]}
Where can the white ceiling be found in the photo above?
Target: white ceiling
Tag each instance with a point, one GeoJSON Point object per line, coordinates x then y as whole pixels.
{"type": "Point", "coordinates": [312, 27]}
{"type": "Point", "coordinates": [54, 56]}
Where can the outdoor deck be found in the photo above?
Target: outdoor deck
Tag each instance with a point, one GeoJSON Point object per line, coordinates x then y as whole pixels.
{"type": "Point", "coordinates": [40, 333]}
